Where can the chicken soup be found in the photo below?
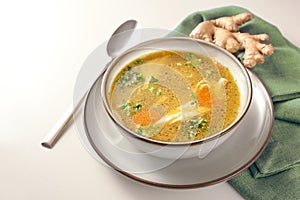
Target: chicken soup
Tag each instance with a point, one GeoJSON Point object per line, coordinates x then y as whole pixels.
{"type": "Point", "coordinates": [175, 96]}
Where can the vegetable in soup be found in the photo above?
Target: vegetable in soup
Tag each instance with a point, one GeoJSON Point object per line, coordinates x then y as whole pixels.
{"type": "Point", "coordinates": [175, 96]}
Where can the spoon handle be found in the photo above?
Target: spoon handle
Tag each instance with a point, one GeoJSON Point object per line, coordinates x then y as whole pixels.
{"type": "Point", "coordinates": [55, 133]}
{"type": "Point", "coordinates": [51, 138]}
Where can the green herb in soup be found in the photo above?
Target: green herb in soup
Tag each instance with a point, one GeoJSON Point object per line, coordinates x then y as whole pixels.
{"type": "Point", "coordinates": [130, 77]}
{"type": "Point", "coordinates": [153, 80]}
{"type": "Point", "coordinates": [175, 96]}
{"type": "Point", "coordinates": [190, 127]}
{"type": "Point", "coordinates": [130, 108]}
{"type": "Point", "coordinates": [191, 59]}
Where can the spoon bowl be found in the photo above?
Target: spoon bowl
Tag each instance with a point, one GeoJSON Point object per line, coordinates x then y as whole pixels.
{"type": "Point", "coordinates": [120, 38]}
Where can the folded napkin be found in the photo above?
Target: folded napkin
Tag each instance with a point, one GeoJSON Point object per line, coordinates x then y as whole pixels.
{"type": "Point", "coordinates": [276, 174]}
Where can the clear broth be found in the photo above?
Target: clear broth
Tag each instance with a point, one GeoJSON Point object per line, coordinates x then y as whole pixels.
{"type": "Point", "coordinates": [175, 96]}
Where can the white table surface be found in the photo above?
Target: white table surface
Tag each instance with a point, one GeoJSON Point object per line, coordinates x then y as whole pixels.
{"type": "Point", "coordinates": [42, 46]}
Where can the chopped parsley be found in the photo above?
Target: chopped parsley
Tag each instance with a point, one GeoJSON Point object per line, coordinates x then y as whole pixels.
{"type": "Point", "coordinates": [155, 91]}
{"type": "Point", "coordinates": [126, 105]}
{"type": "Point", "coordinates": [198, 123]}
{"type": "Point", "coordinates": [194, 99]}
{"type": "Point", "coordinates": [138, 106]}
{"type": "Point", "coordinates": [191, 126]}
{"type": "Point", "coordinates": [153, 80]}
{"type": "Point", "coordinates": [210, 72]}
{"type": "Point", "coordinates": [130, 108]}
{"type": "Point", "coordinates": [147, 131]}
{"type": "Point", "coordinates": [140, 130]}
{"type": "Point", "coordinates": [130, 77]}
{"type": "Point", "coordinates": [191, 60]}
{"type": "Point", "coordinates": [138, 62]}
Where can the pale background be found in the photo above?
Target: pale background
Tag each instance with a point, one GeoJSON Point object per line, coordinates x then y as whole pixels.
{"type": "Point", "coordinates": [42, 47]}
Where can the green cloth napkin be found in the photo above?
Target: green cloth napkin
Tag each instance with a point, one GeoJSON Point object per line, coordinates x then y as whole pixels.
{"type": "Point", "coordinates": [276, 174]}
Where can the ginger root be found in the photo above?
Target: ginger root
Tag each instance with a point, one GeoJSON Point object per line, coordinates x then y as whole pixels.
{"type": "Point", "coordinates": [224, 33]}
{"type": "Point", "coordinates": [254, 50]}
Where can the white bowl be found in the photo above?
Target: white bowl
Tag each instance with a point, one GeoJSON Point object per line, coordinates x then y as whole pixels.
{"type": "Point", "coordinates": [179, 150]}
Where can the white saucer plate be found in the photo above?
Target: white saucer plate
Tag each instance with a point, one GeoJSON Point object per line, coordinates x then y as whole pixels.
{"type": "Point", "coordinates": [104, 142]}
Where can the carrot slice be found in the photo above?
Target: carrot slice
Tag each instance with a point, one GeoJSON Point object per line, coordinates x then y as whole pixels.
{"type": "Point", "coordinates": [203, 96]}
{"type": "Point", "coordinates": [142, 118]}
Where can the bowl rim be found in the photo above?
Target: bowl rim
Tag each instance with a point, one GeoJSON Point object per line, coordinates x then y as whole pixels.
{"type": "Point", "coordinates": [187, 143]}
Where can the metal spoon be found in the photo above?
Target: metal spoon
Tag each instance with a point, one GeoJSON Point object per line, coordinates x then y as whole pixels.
{"type": "Point", "coordinates": [114, 47]}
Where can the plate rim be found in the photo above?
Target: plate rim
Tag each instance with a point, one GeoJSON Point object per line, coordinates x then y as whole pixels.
{"type": "Point", "coordinates": [182, 186]}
